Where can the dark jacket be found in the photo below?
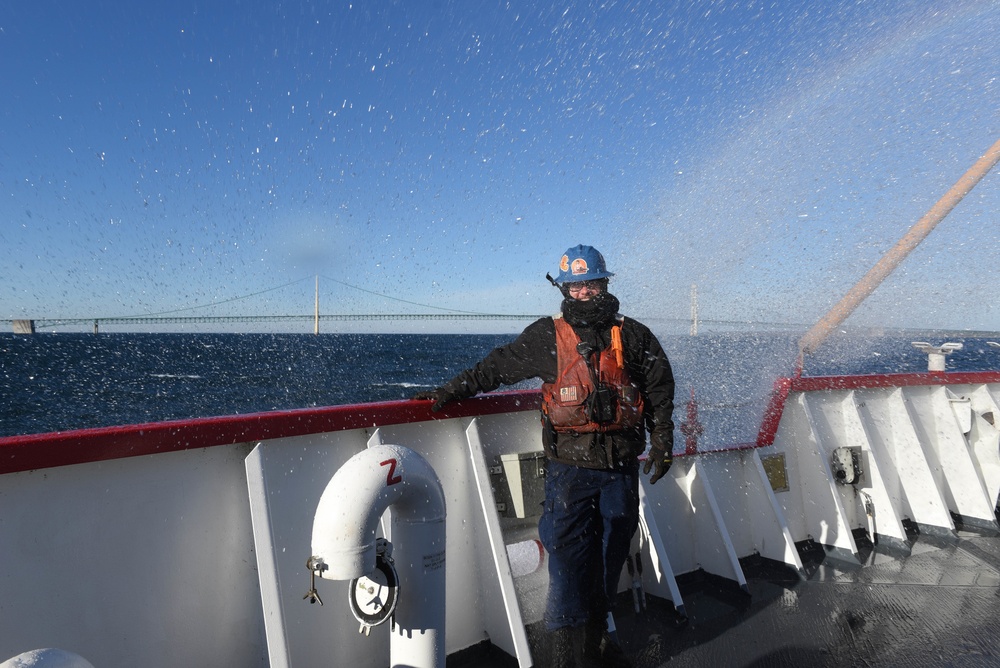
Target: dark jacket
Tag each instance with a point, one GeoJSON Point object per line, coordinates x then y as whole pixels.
{"type": "Point", "coordinates": [533, 355]}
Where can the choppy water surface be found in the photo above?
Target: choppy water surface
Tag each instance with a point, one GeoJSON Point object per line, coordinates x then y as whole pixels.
{"type": "Point", "coordinates": [70, 381]}
{"type": "Point", "coordinates": [54, 382]}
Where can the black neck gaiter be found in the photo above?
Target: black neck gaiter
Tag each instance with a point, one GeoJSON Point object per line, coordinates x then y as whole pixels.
{"type": "Point", "coordinates": [597, 313]}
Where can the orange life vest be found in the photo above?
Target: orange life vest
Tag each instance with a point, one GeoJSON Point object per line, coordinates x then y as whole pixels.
{"type": "Point", "coordinates": [566, 401]}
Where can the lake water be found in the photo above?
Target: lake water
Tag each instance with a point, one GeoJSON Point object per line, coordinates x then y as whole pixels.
{"type": "Point", "coordinates": [55, 382]}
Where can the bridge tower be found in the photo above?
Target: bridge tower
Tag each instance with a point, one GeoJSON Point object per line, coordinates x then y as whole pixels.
{"type": "Point", "coordinates": [694, 309]}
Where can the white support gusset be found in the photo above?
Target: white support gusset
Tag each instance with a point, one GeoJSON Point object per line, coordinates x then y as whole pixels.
{"type": "Point", "coordinates": [668, 500]}
{"type": "Point", "coordinates": [506, 631]}
{"type": "Point", "coordinates": [825, 515]}
{"type": "Point", "coordinates": [906, 471]}
{"type": "Point", "coordinates": [771, 535]}
{"type": "Point", "coordinates": [714, 545]}
{"type": "Point", "coordinates": [984, 438]}
{"type": "Point", "coordinates": [984, 444]}
{"type": "Point", "coordinates": [884, 516]}
{"type": "Point", "coordinates": [696, 522]}
{"type": "Point", "coordinates": [658, 557]}
{"type": "Point", "coordinates": [943, 441]}
{"type": "Point", "coordinates": [983, 400]}
{"type": "Point", "coordinates": [793, 428]}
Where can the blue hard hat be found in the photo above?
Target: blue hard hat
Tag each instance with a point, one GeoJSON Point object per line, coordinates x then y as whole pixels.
{"type": "Point", "coordinates": [582, 263]}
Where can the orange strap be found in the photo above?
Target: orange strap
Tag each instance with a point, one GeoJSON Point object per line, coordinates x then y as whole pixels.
{"type": "Point", "coordinates": [616, 345]}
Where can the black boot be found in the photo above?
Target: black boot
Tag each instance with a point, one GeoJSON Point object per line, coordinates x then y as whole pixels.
{"type": "Point", "coordinates": [599, 650]}
{"type": "Point", "coordinates": [566, 647]}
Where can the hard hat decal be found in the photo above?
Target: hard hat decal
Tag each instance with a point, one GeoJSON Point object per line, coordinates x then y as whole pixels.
{"type": "Point", "coordinates": [582, 263]}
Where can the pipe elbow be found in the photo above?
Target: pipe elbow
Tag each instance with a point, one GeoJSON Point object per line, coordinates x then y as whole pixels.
{"type": "Point", "coordinates": [343, 534]}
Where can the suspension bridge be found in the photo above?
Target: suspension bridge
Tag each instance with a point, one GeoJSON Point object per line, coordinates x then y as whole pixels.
{"type": "Point", "coordinates": [149, 322]}
{"type": "Point", "coordinates": [181, 317]}
{"type": "Point", "coordinates": [30, 326]}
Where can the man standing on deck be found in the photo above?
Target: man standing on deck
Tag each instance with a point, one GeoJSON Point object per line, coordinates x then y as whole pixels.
{"type": "Point", "coordinates": [606, 380]}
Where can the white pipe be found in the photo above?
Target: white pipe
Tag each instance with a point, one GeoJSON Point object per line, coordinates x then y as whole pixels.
{"type": "Point", "coordinates": [343, 537]}
{"type": "Point", "coordinates": [47, 658]}
{"type": "Point", "coordinates": [525, 557]}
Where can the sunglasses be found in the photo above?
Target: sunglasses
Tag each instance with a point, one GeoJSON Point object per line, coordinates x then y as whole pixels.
{"type": "Point", "coordinates": [593, 286]}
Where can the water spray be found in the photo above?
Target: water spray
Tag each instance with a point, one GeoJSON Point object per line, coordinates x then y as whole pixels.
{"type": "Point", "coordinates": [895, 256]}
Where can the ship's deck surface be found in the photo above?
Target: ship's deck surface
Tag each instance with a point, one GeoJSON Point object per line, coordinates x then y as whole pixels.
{"type": "Point", "coordinates": [940, 606]}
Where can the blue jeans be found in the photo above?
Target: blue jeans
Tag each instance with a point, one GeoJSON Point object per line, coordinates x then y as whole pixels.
{"type": "Point", "coordinates": [587, 524]}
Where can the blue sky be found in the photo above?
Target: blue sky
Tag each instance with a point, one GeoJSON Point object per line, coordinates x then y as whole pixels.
{"type": "Point", "coordinates": [156, 158]}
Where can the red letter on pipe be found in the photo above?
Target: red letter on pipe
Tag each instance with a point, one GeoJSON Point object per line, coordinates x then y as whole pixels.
{"type": "Point", "coordinates": [391, 478]}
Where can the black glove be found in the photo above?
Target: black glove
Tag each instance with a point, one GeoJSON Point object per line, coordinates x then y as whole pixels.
{"type": "Point", "coordinates": [660, 457]}
{"type": "Point", "coordinates": [439, 396]}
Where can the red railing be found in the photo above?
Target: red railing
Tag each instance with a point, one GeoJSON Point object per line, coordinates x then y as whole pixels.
{"type": "Point", "coordinates": [40, 451]}
{"type": "Point", "coordinates": [784, 386]}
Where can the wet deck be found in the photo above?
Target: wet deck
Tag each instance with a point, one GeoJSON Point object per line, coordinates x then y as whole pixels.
{"type": "Point", "coordinates": [940, 606]}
